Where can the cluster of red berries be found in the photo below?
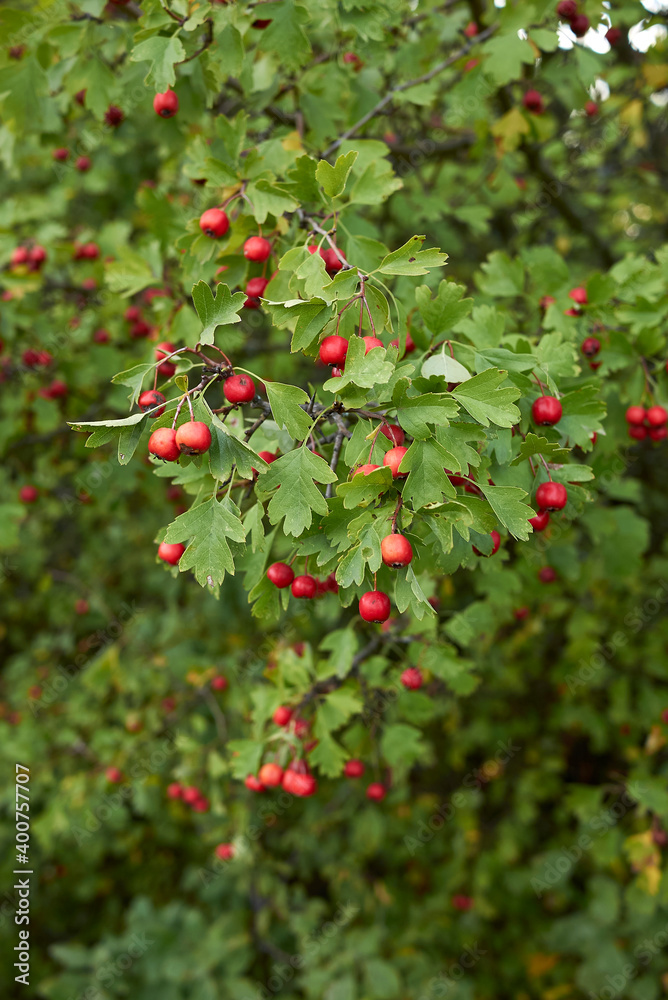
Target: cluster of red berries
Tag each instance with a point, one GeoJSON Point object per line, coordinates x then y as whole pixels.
{"type": "Point", "coordinates": [86, 251]}
{"type": "Point", "coordinates": [304, 586]}
{"type": "Point", "coordinates": [189, 794]}
{"type": "Point", "coordinates": [31, 258]}
{"type": "Point", "coordinates": [647, 423]}
{"type": "Point", "coordinates": [579, 23]}
{"type": "Point", "coordinates": [191, 438]}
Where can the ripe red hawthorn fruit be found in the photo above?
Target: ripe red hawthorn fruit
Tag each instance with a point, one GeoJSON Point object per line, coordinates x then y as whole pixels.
{"type": "Point", "coordinates": [298, 782]}
{"type": "Point", "coordinates": [462, 903]}
{"type": "Point", "coordinates": [252, 783]}
{"type": "Point", "coordinates": [282, 715]}
{"type": "Point", "coordinates": [280, 574]}
{"type": "Point", "coordinates": [591, 109]}
{"type": "Point", "coordinates": [547, 300]}
{"type": "Point", "coordinates": [163, 350]}
{"type": "Point", "coordinates": [80, 97]}
{"type": "Point", "coordinates": [150, 398]}
{"type": "Point", "coordinates": [113, 775]}
{"type": "Point", "coordinates": [36, 359]}
{"type": "Point", "coordinates": [412, 678]}
{"type": "Point", "coordinates": [376, 792]}
{"type": "Point", "coordinates": [219, 683]}
{"type": "Point", "coordinates": [257, 248]}
{"type": "Point", "coordinates": [410, 344]}
{"type": "Point", "coordinates": [132, 314]}
{"type": "Point", "coordinates": [28, 494]}
{"type": "Point", "coordinates": [580, 25]}
{"type": "Point", "coordinates": [521, 613]}
{"type": "Point", "coordinates": [374, 606]}
{"type": "Point", "coordinates": [214, 222]}
{"type": "Point", "coordinates": [540, 521]}
{"type": "Point", "coordinates": [578, 295]}
{"type": "Point", "coordinates": [638, 432]}
{"type": "Point", "coordinates": [270, 775]}
{"type": "Point", "coordinates": [190, 794]}
{"type": "Point", "coordinates": [546, 411]}
{"type": "Point", "coordinates": [396, 551]}
{"type": "Point", "coordinates": [547, 575]}
{"type": "Point", "coordinates": [256, 286]}
{"type": "Point", "coordinates": [614, 36]}
{"type": "Point", "coordinates": [353, 769]}
{"type": "Point", "coordinates": [168, 703]}
{"type": "Point", "coordinates": [201, 805]}
{"type": "Point", "coordinates": [113, 116]}
{"type": "Point", "coordinates": [393, 459]}
{"type": "Point", "coordinates": [19, 256]}
{"type": "Point", "coordinates": [567, 9]}
{"type": "Point", "coordinates": [496, 542]}
{"type": "Point", "coordinates": [304, 586]}
{"type": "Point", "coordinates": [175, 790]}
{"type": "Point", "coordinates": [471, 29]}
{"type": "Point", "coordinates": [658, 433]}
{"type": "Point", "coordinates": [533, 102]}
{"type": "Point", "coordinates": [551, 496]}
{"type": "Point", "coordinates": [635, 415]}
{"type": "Point", "coordinates": [36, 257]}
{"type": "Point", "coordinates": [590, 347]}
{"type": "Point", "coordinates": [371, 342]}
{"type": "Point", "coordinates": [55, 390]}
{"type": "Point", "coordinates": [365, 470]}
{"type": "Point", "coordinates": [239, 389]}
{"type": "Point", "coordinates": [166, 104]}
{"type": "Point", "coordinates": [193, 437]}
{"type": "Point", "coordinates": [656, 416]}
{"type": "Point", "coordinates": [170, 552]}
{"type": "Point", "coordinates": [81, 607]}
{"type": "Point", "coordinates": [393, 433]}
{"type": "Point", "coordinates": [332, 259]}
{"type": "Point", "coordinates": [333, 350]}
{"type": "Point", "coordinates": [162, 444]}
{"type": "Point", "coordinates": [225, 852]}
{"type": "Point", "coordinates": [61, 154]}
{"type": "Point", "coordinates": [83, 164]}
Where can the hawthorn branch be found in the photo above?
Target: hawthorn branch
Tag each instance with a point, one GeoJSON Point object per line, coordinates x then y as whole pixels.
{"type": "Point", "coordinates": [336, 453]}
{"type": "Point", "coordinates": [425, 78]}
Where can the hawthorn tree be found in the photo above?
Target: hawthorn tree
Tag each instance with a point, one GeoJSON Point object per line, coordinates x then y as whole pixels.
{"type": "Point", "coordinates": [360, 307]}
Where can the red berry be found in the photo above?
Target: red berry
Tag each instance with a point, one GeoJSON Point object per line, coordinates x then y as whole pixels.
{"type": "Point", "coordinates": [638, 432]}
{"type": "Point", "coordinates": [540, 520]}
{"type": "Point", "coordinates": [376, 792]}
{"type": "Point", "coordinates": [162, 443]}
{"type": "Point", "coordinates": [353, 769]}
{"type": "Point", "coordinates": [214, 222]}
{"type": "Point", "coordinates": [282, 715]}
{"type": "Point", "coordinates": [571, 312]}
{"type": "Point", "coordinates": [83, 164]}
{"type": "Point", "coordinates": [374, 606]}
{"type": "Point", "coordinates": [462, 903]}
{"type": "Point", "coordinates": [579, 295]}
{"type": "Point", "coordinates": [113, 116]}
{"type": "Point", "coordinates": [280, 574]}
{"type": "Point", "coordinates": [261, 23]}
{"type": "Point", "coordinates": [410, 344]}
{"type": "Point", "coordinates": [393, 433]}
{"type": "Point", "coordinates": [614, 36]}
{"type": "Point", "coordinates": [28, 494]}
{"type": "Point", "coordinates": [299, 782]}
{"type": "Point", "coordinates": [656, 416]}
{"type": "Point", "coordinates": [591, 109]}
{"type": "Point", "coordinates": [219, 683]}
{"type": "Point", "coordinates": [333, 350]}
{"type": "Point", "coordinates": [252, 783]}
{"type": "Point", "coordinates": [149, 399]}
{"type": "Point", "coordinates": [521, 613]}
{"type": "Point", "coordinates": [80, 97]}
{"type": "Point", "coordinates": [332, 259]}
{"type": "Point", "coordinates": [546, 411]}
{"type": "Point", "coordinates": [371, 342]}
{"type": "Point", "coordinates": [166, 104]}
{"type": "Point", "coordinates": [551, 496]}
{"type": "Point", "coordinates": [170, 552]}
{"type": "Point", "coordinates": [132, 314]}
{"type": "Point", "coordinates": [393, 459]}
{"type": "Point", "coordinates": [19, 256]}
{"type": "Point", "coordinates": [224, 851]}
{"type": "Point", "coordinates": [337, 372]}
{"type": "Point", "coordinates": [533, 102]}
{"type": "Point", "coordinates": [567, 9]}
{"type": "Point", "coordinates": [36, 257]}
{"type": "Point", "coordinates": [61, 154]}
{"type": "Point", "coordinates": [658, 433]}
{"type": "Point", "coordinates": [365, 470]}
{"type": "Point", "coordinates": [547, 575]}
{"type": "Point", "coordinates": [113, 775]}
{"type": "Point", "coordinates": [164, 350]}
{"type": "Point", "coordinates": [257, 248]}
{"type": "Point", "coordinates": [590, 347]}
{"type": "Point", "coordinates": [175, 790]}
{"type": "Point", "coordinates": [81, 607]}
{"type": "Point", "coordinates": [239, 389]}
{"type": "Point", "coordinates": [471, 29]}
{"type": "Point", "coordinates": [201, 805]}
{"type": "Point", "coordinates": [412, 678]}
{"type": "Point", "coordinates": [635, 415]}
{"type": "Point", "coordinates": [256, 287]}
{"type": "Point", "coordinates": [193, 437]}
{"type": "Point", "coordinates": [304, 586]}
{"type": "Point", "coordinates": [191, 794]}
{"type": "Point", "coordinates": [396, 551]}
{"type": "Point", "coordinates": [270, 775]}
{"type": "Point", "coordinates": [580, 25]}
